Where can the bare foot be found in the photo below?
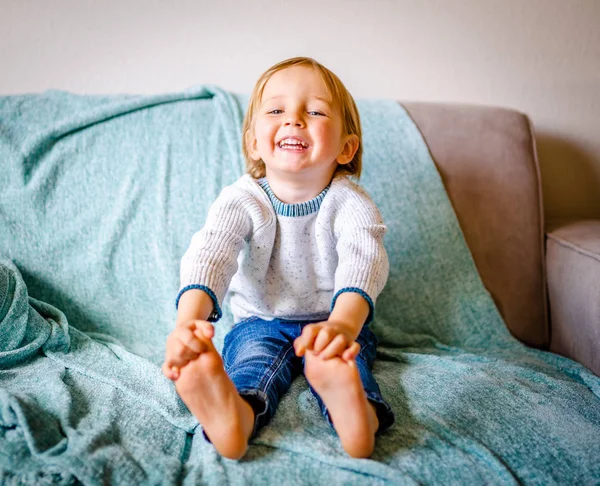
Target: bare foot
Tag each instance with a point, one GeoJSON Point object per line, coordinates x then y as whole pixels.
{"type": "Point", "coordinates": [227, 419]}
{"type": "Point", "coordinates": [339, 385]}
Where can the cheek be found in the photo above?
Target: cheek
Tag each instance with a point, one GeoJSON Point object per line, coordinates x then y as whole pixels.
{"type": "Point", "coordinates": [328, 135]}
{"type": "Point", "coordinates": [264, 133]}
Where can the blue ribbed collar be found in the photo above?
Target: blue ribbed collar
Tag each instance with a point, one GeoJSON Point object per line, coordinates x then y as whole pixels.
{"type": "Point", "coordinates": [293, 210]}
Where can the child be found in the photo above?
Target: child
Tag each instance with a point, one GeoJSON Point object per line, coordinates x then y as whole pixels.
{"type": "Point", "coordinates": [298, 246]}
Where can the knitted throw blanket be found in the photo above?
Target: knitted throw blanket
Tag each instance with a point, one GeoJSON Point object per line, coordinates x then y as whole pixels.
{"type": "Point", "coordinates": [99, 197]}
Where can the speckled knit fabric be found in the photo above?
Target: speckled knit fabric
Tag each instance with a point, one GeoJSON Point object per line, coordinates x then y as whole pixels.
{"type": "Point", "coordinates": [287, 261]}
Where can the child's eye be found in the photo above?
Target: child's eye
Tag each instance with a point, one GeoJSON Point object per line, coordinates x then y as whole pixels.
{"type": "Point", "coordinates": [275, 112]}
{"type": "Point", "coordinates": [316, 113]}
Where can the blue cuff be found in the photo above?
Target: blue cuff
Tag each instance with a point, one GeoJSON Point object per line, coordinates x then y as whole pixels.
{"type": "Point", "coordinates": [361, 292]}
{"type": "Point", "coordinates": [216, 314]}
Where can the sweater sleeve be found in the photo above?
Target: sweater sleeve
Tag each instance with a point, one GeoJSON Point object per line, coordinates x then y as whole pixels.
{"type": "Point", "coordinates": [363, 265]}
{"type": "Point", "coordinates": [211, 259]}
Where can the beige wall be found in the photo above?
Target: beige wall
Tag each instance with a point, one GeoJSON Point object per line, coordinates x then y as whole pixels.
{"type": "Point", "coordinates": [539, 56]}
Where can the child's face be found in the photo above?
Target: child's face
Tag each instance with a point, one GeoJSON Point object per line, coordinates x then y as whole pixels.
{"type": "Point", "coordinates": [298, 128]}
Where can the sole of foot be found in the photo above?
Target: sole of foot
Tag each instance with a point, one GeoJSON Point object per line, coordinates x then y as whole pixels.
{"type": "Point", "coordinates": [339, 385]}
{"type": "Point", "coordinates": [209, 394]}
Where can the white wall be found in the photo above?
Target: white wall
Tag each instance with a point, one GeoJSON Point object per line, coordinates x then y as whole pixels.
{"type": "Point", "coordinates": [538, 56]}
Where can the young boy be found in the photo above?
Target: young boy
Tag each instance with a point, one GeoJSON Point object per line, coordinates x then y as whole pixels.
{"type": "Point", "coordinates": [298, 246]}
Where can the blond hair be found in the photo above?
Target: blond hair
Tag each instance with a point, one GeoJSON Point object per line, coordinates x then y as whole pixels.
{"type": "Point", "coordinates": [340, 95]}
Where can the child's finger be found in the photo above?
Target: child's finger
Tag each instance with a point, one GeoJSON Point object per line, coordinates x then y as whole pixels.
{"type": "Point", "coordinates": [188, 337]}
{"type": "Point", "coordinates": [205, 328]}
{"type": "Point", "coordinates": [178, 354]}
{"type": "Point", "coordinates": [335, 348]}
{"type": "Point", "coordinates": [326, 334]}
{"type": "Point", "coordinates": [207, 344]}
{"type": "Point", "coordinates": [306, 339]}
{"type": "Point", "coordinates": [170, 371]}
{"type": "Point", "coordinates": [352, 352]}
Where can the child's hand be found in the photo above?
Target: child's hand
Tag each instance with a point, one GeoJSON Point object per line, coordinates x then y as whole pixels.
{"type": "Point", "coordinates": [327, 339]}
{"type": "Point", "coordinates": [188, 341]}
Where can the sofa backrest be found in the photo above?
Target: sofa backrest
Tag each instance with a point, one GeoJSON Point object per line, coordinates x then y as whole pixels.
{"type": "Point", "coordinates": [487, 160]}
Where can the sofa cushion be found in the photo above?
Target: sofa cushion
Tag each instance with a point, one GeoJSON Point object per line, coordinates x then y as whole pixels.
{"type": "Point", "coordinates": [573, 261]}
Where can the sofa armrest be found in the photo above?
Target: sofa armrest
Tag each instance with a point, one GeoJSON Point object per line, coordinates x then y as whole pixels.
{"type": "Point", "coordinates": [573, 265]}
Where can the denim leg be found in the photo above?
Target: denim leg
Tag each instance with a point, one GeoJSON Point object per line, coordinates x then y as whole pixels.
{"type": "Point", "coordinates": [259, 358]}
{"type": "Point", "coordinates": [364, 363]}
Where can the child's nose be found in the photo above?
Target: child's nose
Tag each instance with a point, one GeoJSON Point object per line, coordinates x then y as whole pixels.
{"type": "Point", "coordinates": [294, 120]}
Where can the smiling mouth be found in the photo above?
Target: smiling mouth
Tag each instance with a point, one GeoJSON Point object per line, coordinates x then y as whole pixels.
{"type": "Point", "coordinates": [292, 144]}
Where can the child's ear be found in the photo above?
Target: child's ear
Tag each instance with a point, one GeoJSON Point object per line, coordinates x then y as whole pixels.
{"type": "Point", "coordinates": [251, 145]}
{"type": "Point", "coordinates": [349, 148]}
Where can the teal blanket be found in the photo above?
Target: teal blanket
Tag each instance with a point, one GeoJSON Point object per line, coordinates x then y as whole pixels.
{"type": "Point", "coordinates": [99, 197]}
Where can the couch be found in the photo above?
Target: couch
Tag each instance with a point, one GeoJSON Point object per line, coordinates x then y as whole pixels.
{"type": "Point", "coordinates": [489, 328]}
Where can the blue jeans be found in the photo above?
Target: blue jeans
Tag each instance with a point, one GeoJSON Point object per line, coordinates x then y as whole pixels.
{"type": "Point", "coordinates": [259, 358]}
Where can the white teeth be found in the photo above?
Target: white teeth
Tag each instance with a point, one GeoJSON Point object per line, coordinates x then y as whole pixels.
{"type": "Point", "coordinates": [291, 142]}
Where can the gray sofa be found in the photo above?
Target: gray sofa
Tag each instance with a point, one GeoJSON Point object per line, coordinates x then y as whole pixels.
{"type": "Point", "coordinates": [546, 286]}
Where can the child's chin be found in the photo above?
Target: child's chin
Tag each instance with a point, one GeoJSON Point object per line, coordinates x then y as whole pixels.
{"type": "Point", "coordinates": [293, 166]}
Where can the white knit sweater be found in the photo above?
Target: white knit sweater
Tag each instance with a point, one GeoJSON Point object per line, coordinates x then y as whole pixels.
{"type": "Point", "coordinates": [288, 261]}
